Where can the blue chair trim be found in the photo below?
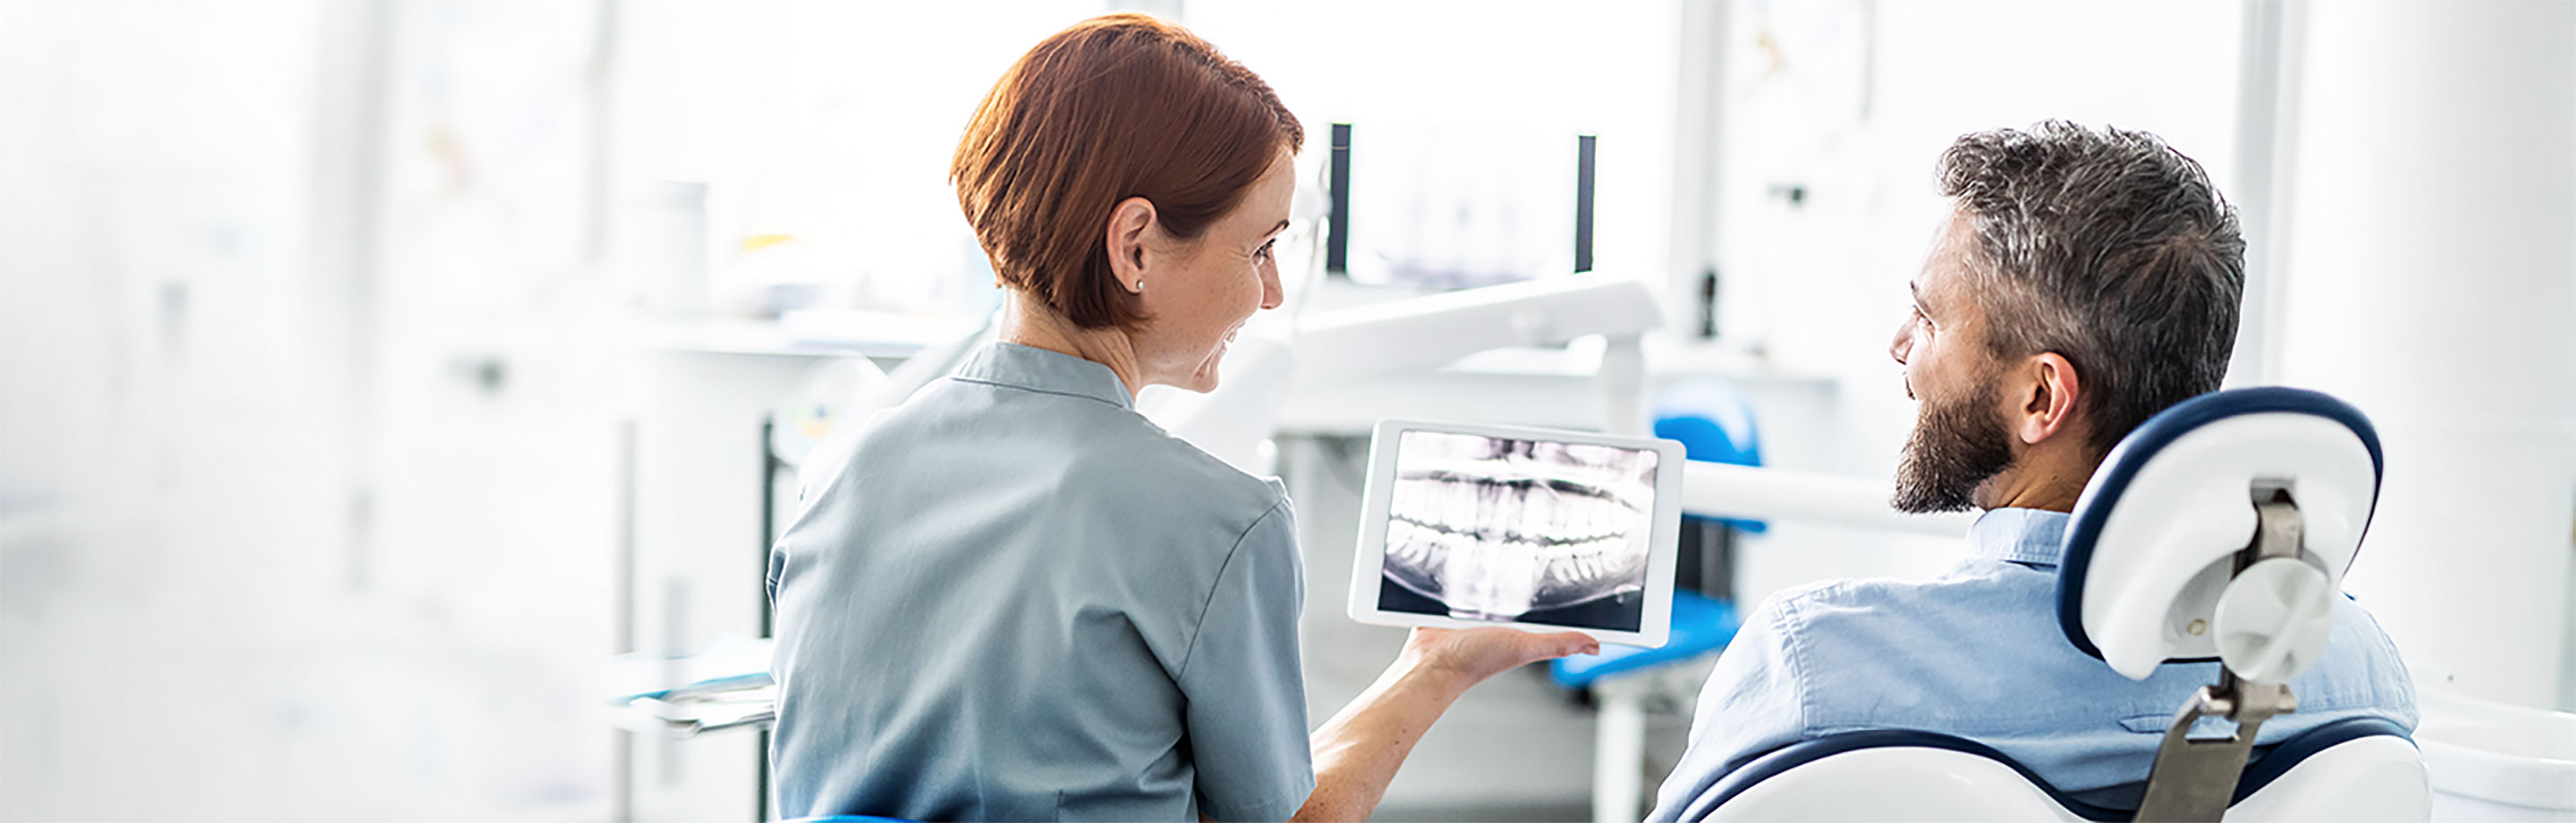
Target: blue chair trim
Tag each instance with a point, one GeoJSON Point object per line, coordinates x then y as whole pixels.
{"type": "Point", "coordinates": [2126, 459]}
{"type": "Point", "coordinates": [2268, 764]}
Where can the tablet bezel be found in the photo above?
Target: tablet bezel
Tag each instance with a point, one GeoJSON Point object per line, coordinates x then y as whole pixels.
{"type": "Point", "coordinates": [1367, 568]}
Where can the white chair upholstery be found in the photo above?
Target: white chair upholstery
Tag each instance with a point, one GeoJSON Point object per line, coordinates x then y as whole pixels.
{"type": "Point", "coordinates": [1902, 783]}
{"type": "Point", "coordinates": [2375, 776]}
{"type": "Point", "coordinates": [2378, 778]}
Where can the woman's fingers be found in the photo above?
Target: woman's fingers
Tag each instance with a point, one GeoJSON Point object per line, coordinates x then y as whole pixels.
{"type": "Point", "coordinates": [1482, 653]}
{"type": "Point", "coordinates": [1561, 644]}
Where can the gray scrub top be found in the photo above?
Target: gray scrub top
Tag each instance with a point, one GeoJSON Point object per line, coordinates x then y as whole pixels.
{"type": "Point", "coordinates": [1018, 599]}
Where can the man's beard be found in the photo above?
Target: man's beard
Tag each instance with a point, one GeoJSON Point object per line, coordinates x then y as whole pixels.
{"type": "Point", "coordinates": [1956, 445]}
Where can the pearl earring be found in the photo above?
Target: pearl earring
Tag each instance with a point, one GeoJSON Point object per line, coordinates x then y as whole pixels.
{"type": "Point", "coordinates": [1139, 288]}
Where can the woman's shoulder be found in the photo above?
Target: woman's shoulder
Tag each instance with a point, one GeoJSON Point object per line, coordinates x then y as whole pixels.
{"type": "Point", "coordinates": [1144, 467]}
{"type": "Point", "coordinates": [1097, 462]}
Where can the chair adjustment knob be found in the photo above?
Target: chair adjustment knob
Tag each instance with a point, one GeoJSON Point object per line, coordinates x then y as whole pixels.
{"type": "Point", "coordinates": [2273, 619]}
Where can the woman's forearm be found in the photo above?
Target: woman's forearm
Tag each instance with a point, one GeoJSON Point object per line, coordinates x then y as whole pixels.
{"type": "Point", "coordinates": [1358, 751]}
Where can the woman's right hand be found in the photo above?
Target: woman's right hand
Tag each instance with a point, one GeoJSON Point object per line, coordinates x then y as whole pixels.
{"type": "Point", "coordinates": [1472, 655]}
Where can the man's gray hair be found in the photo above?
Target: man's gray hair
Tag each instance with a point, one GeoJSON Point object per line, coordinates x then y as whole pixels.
{"type": "Point", "coordinates": [2112, 250]}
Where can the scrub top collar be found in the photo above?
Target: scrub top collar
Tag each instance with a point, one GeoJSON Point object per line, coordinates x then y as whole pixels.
{"type": "Point", "coordinates": [2031, 537]}
{"type": "Point", "coordinates": [1039, 370]}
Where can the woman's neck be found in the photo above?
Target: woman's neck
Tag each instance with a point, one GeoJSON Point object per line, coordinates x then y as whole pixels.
{"type": "Point", "coordinates": [1030, 322]}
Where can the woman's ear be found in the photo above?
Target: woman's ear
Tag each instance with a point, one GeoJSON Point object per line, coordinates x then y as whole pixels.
{"type": "Point", "coordinates": [1129, 222]}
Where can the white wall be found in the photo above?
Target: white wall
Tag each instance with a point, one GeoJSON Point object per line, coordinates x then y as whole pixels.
{"type": "Point", "coordinates": [2430, 279]}
{"type": "Point", "coordinates": [249, 569]}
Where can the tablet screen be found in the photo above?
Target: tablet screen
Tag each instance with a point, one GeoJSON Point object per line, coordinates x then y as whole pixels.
{"type": "Point", "coordinates": [1509, 530]}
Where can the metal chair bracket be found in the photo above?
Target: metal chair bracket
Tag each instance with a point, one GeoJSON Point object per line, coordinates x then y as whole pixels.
{"type": "Point", "coordinates": [2195, 779]}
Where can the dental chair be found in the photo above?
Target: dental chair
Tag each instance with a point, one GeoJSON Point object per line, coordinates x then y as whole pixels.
{"type": "Point", "coordinates": [2218, 530]}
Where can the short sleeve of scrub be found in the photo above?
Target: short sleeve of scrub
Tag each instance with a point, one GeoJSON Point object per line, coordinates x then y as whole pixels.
{"type": "Point", "coordinates": [1243, 685]}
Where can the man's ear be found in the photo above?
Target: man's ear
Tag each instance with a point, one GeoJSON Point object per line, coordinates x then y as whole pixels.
{"type": "Point", "coordinates": [2048, 402]}
{"type": "Point", "coordinates": [1129, 222]}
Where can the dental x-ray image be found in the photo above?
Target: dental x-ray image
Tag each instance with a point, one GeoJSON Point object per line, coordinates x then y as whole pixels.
{"type": "Point", "coordinates": [1487, 528]}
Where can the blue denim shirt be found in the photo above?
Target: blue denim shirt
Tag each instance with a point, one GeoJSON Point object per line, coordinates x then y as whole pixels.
{"type": "Point", "coordinates": [1977, 653]}
{"type": "Point", "coordinates": [1020, 600]}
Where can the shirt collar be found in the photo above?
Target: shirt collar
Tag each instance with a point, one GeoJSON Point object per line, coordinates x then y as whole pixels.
{"type": "Point", "coordinates": [1036, 369]}
{"type": "Point", "coordinates": [2034, 537]}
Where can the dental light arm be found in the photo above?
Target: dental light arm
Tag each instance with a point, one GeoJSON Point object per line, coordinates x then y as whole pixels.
{"type": "Point", "coordinates": [1755, 493]}
{"type": "Point", "coordinates": [1433, 331]}
{"type": "Point", "coordinates": [1413, 334]}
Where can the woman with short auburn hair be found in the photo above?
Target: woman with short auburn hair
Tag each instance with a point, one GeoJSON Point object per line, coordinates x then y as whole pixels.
{"type": "Point", "coordinates": [1021, 600]}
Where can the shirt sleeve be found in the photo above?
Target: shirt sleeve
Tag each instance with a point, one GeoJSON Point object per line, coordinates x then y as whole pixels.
{"type": "Point", "coordinates": [1754, 702]}
{"type": "Point", "coordinates": [1247, 695]}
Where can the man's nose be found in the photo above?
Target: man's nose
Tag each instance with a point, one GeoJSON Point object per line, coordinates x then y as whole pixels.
{"type": "Point", "coordinates": [1903, 345]}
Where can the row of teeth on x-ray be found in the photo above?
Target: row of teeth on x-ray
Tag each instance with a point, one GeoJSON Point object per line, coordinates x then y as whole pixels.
{"type": "Point", "coordinates": [1430, 546]}
{"type": "Point", "coordinates": [1529, 510]}
{"type": "Point", "coordinates": [1506, 546]}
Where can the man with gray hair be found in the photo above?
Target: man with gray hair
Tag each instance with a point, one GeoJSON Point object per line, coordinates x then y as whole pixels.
{"type": "Point", "coordinates": [2084, 280]}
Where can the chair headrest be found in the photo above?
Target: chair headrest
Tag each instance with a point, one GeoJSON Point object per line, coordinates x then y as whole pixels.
{"type": "Point", "coordinates": [2152, 543]}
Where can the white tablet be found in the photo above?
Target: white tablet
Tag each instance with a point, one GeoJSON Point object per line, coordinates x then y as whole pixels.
{"type": "Point", "coordinates": [1468, 525]}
